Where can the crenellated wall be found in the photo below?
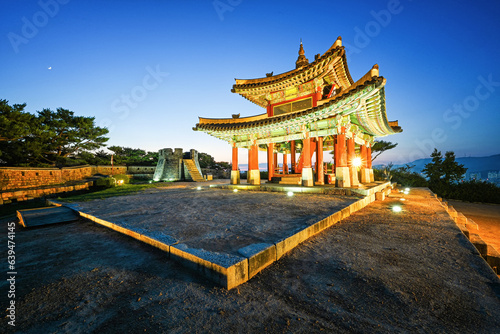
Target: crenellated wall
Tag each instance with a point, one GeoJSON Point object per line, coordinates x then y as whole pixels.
{"type": "Point", "coordinates": [25, 177]}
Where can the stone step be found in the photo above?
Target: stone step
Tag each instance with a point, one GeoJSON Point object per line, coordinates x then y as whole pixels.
{"type": "Point", "coordinates": [46, 216]}
{"type": "Point", "coordinates": [193, 170]}
{"type": "Point", "coordinates": [291, 180]}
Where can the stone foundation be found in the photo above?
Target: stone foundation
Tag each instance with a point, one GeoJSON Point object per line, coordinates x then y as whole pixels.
{"type": "Point", "coordinates": [307, 177]}
{"type": "Point", "coordinates": [235, 177]}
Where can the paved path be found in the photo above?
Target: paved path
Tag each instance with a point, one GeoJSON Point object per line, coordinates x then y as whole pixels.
{"type": "Point", "coordinates": [375, 272]}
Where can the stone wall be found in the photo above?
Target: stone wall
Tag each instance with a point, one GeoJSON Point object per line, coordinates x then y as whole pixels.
{"type": "Point", "coordinates": [24, 177]}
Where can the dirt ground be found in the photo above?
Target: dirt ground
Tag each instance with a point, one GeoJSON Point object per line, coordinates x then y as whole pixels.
{"type": "Point", "coordinates": [486, 216]}
{"type": "Point", "coordinates": [217, 220]}
{"type": "Point", "coordinates": [375, 272]}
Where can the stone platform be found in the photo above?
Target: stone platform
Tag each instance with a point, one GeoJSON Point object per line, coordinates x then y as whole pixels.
{"type": "Point", "coordinates": [225, 235]}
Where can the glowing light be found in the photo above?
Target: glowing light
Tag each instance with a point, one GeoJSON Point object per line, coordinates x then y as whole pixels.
{"type": "Point", "coordinates": [406, 192]}
{"type": "Point", "coordinates": [396, 208]}
{"type": "Point", "coordinates": [407, 189]}
{"type": "Point", "coordinates": [290, 193]}
{"type": "Point", "coordinates": [198, 188]}
{"type": "Point", "coordinates": [235, 190]}
{"type": "Point", "coordinates": [402, 199]}
{"type": "Point", "coordinates": [356, 162]}
{"type": "Point", "coordinates": [119, 182]}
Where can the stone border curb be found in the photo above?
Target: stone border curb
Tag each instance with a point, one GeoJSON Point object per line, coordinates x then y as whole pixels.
{"type": "Point", "coordinates": [469, 228]}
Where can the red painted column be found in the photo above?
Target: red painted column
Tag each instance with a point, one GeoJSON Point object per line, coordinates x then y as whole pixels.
{"type": "Point", "coordinates": [270, 161]}
{"type": "Point", "coordinates": [369, 156]}
{"type": "Point", "coordinates": [335, 153]}
{"type": "Point", "coordinates": [306, 151]}
{"type": "Point", "coordinates": [363, 156]}
{"type": "Point", "coordinates": [253, 157]}
{"type": "Point", "coordinates": [256, 156]}
{"type": "Point", "coordinates": [275, 158]}
{"type": "Point", "coordinates": [342, 149]}
{"type": "Point", "coordinates": [307, 173]}
{"type": "Point", "coordinates": [253, 176]}
{"type": "Point", "coordinates": [319, 161]}
{"type": "Point", "coordinates": [269, 110]}
{"type": "Point", "coordinates": [292, 155]}
{"type": "Point", "coordinates": [285, 163]}
{"type": "Point", "coordinates": [250, 158]}
{"type": "Point", "coordinates": [235, 158]}
{"type": "Point", "coordinates": [351, 153]}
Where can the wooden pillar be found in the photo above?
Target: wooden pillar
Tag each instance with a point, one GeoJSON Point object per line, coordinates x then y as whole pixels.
{"type": "Point", "coordinates": [270, 161]}
{"type": "Point", "coordinates": [235, 172]}
{"type": "Point", "coordinates": [341, 145]}
{"type": "Point", "coordinates": [235, 158]}
{"type": "Point", "coordinates": [369, 156]}
{"type": "Point", "coordinates": [253, 174]}
{"type": "Point", "coordinates": [285, 163]}
{"type": "Point", "coordinates": [292, 155]}
{"type": "Point", "coordinates": [351, 155]}
{"type": "Point", "coordinates": [275, 158]}
{"type": "Point", "coordinates": [363, 156]}
{"type": "Point", "coordinates": [365, 171]}
{"type": "Point", "coordinates": [342, 177]}
{"type": "Point", "coordinates": [320, 178]}
{"type": "Point", "coordinates": [369, 162]}
{"type": "Point", "coordinates": [307, 173]}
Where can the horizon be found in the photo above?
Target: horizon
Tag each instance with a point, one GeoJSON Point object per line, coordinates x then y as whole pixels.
{"type": "Point", "coordinates": [147, 71]}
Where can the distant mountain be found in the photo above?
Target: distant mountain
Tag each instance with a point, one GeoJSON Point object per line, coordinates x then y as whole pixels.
{"type": "Point", "coordinates": [473, 164]}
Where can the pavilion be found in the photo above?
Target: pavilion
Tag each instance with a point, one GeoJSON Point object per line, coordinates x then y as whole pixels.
{"type": "Point", "coordinates": [314, 108]}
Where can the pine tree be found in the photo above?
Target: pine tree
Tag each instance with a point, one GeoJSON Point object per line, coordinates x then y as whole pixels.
{"type": "Point", "coordinates": [434, 170]}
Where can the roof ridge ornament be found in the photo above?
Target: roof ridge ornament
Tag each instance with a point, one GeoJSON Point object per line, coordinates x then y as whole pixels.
{"type": "Point", "coordinates": [302, 60]}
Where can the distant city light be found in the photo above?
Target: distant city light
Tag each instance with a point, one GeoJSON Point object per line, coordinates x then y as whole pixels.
{"type": "Point", "coordinates": [356, 162]}
{"type": "Point", "coordinates": [290, 193]}
{"type": "Point", "coordinates": [396, 208]}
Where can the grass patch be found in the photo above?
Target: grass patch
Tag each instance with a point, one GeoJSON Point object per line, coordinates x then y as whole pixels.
{"type": "Point", "coordinates": [123, 190]}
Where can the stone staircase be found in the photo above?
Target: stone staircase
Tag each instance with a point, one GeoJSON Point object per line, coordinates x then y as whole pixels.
{"type": "Point", "coordinates": [295, 179]}
{"type": "Point", "coordinates": [193, 170]}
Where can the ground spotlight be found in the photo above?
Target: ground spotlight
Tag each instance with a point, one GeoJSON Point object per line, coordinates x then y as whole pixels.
{"type": "Point", "coordinates": [396, 208]}
{"type": "Point", "coordinates": [198, 188]}
{"type": "Point", "coordinates": [235, 190]}
{"type": "Point", "coordinates": [290, 193]}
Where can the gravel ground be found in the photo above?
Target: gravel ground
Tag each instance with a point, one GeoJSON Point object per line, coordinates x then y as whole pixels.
{"type": "Point", "coordinates": [376, 272]}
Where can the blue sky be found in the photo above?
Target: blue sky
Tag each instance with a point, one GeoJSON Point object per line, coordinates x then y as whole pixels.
{"type": "Point", "coordinates": [148, 69]}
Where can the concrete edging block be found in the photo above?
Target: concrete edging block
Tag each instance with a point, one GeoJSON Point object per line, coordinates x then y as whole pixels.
{"type": "Point", "coordinates": [493, 259]}
{"type": "Point", "coordinates": [480, 245]}
{"type": "Point", "coordinates": [346, 212]}
{"type": "Point", "coordinates": [287, 244]}
{"type": "Point", "coordinates": [227, 277]}
{"type": "Point", "coordinates": [470, 224]}
{"type": "Point", "coordinates": [259, 257]}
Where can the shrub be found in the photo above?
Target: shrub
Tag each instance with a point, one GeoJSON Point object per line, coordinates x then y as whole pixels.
{"type": "Point", "coordinates": [105, 182]}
